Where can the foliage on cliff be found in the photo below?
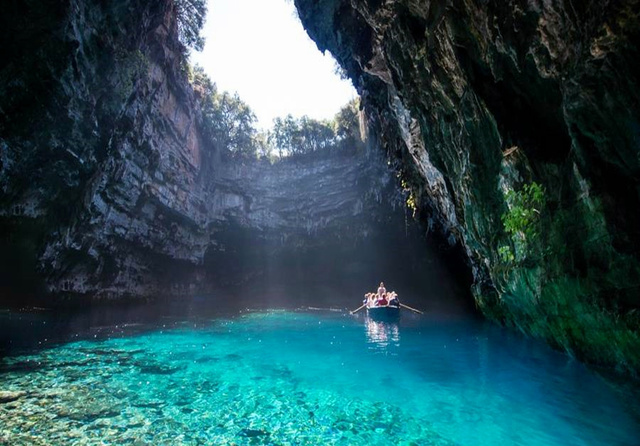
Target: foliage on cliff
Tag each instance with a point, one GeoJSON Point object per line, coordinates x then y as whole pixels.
{"type": "Point", "coordinates": [231, 126]}
{"type": "Point", "coordinates": [190, 16]}
{"type": "Point", "coordinates": [227, 121]}
{"type": "Point", "coordinates": [521, 221]}
{"type": "Point", "coordinates": [307, 136]}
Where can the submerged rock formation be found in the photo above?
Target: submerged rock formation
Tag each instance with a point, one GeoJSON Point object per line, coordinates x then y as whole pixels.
{"type": "Point", "coordinates": [517, 125]}
{"type": "Point", "coordinates": [108, 188]}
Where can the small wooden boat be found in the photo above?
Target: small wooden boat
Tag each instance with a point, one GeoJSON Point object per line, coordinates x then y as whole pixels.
{"type": "Point", "coordinates": [388, 309]}
{"type": "Point", "coordinates": [384, 308]}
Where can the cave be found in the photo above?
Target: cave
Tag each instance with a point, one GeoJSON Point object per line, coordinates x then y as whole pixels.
{"type": "Point", "coordinates": [172, 271]}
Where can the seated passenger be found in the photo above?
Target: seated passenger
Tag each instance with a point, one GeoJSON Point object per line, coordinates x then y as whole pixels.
{"type": "Point", "coordinates": [369, 299]}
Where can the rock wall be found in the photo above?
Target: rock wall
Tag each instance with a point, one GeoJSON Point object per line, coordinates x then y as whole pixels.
{"type": "Point", "coordinates": [478, 101]}
{"type": "Point", "coordinates": [100, 133]}
{"type": "Point", "coordinates": [108, 189]}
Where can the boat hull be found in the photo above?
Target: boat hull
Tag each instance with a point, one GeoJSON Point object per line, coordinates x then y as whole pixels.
{"type": "Point", "coordinates": [387, 313]}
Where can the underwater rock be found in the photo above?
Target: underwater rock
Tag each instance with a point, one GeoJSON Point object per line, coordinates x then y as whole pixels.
{"type": "Point", "coordinates": [253, 433]}
{"type": "Point", "coordinates": [7, 396]}
{"type": "Point", "coordinates": [88, 413]}
{"type": "Point", "coordinates": [157, 368]}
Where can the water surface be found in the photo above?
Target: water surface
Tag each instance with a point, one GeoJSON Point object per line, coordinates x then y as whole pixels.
{"type": "Point", "coordinates": [311, 377]}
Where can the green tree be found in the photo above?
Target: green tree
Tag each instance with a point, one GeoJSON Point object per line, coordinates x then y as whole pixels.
{"type": "Point", "coordinates": [230, 124]}
{"type": "Point", "coordinates": [347, 125]}
{"type": "Point", "coordinates": [263, 144]}
{"type": "Point", "coordinates": [227, 121]}
{"type": "Point", "coordinates": [202, 85]}
{"type": "Point", "coordinates": [347, 120]}
{"type": "Point", "coordinates": [190, 15]}
{"type": "Point", "coordinates": [302, 136]}
{"type": "Point", "coordinates": [315, 135]}
{"type": "Point", "coordinates": [284, 135]}
{"type": "Point", "coordinates": [234, 125]}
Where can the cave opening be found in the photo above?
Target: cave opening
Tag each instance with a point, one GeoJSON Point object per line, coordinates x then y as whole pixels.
{"type": "Point", "coordinates": [180, 267]}
{"type": "Point", "coordinates": [284, 226]}
{"type": "Point", "coordinates": [267, 59]}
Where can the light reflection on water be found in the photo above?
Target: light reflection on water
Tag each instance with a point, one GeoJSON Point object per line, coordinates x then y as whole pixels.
{"type": "Point", "coordinates": [382, 333]}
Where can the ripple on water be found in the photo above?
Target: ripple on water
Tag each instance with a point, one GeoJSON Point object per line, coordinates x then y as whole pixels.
{"type": "Point", "coordinates": [298, 378]}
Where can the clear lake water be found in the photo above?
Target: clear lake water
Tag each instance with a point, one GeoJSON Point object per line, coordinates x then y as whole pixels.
{"type": "Point", "coordinates": [309, 378]}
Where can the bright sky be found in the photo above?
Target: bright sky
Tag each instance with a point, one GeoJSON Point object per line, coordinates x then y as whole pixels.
{"type": "Point", "coordinates": [259, 49]}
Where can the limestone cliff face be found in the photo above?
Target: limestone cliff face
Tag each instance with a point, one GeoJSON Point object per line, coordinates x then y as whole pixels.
{"type": "Point", "coordinates": [100, 150]}
{"type": "Point", "coordinates": [486, 97]}
{"type": "Point", "coordinates": [107, 186]}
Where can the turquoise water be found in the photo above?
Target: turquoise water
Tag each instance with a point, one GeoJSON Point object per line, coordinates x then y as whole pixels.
{"type": "Point", "coordinates": [311, 378]}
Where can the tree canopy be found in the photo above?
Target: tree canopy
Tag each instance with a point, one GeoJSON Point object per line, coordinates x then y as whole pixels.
{"type": "Point", "coordinates": [230, 124]}
{"type": "Point", "coordinates": [305, 135]}
{"type": "Point", "coordinates": [190, 16]}
{"type": "Point", "coordinates": [227, 121]}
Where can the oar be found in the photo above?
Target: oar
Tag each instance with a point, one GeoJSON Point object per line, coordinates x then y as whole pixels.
{"type": "Point", "coordinates": [355, 311]}
{"type": "Point", "coordinates": [412, 309]}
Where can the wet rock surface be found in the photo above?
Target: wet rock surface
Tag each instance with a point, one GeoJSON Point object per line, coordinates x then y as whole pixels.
{"type": "Point", "coordinates": [476, 99]}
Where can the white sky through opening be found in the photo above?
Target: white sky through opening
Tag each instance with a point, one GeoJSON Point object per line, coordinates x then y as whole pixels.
{"type": "Point", "coordinates": [259, 49]}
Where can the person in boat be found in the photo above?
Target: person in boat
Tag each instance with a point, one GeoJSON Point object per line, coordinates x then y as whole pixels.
{"type": "Point", "coordinates": [393, 299]}
{"type": "Point", "coordinates": [382, 295]}
{"type": "Point", "coordinates": [382, 291]}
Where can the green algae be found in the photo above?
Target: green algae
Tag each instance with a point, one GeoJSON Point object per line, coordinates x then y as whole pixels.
{"type": "Point", "coordinates": [583, 312]}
